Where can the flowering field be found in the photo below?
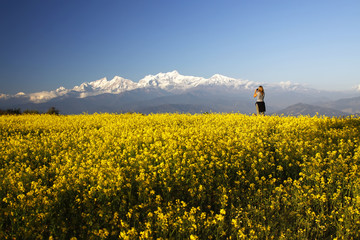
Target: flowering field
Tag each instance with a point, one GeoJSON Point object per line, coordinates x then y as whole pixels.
{"type": "Point", "coordinates": [179, 176]}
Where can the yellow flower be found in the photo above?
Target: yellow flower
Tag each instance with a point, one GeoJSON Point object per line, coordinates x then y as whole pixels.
{"type": "Point", "coordinates": [193, 237]}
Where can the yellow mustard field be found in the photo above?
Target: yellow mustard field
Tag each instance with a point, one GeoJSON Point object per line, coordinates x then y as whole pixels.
{"type": "Point", "coordinates": [179, 176]}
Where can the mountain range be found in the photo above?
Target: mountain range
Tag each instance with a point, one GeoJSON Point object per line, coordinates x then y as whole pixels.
{"type": "Point", "coordinates": [173, 92]}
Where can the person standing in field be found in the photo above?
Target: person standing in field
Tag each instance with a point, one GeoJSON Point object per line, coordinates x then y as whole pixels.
{"type": "Point", "coordinates": [260, 104]}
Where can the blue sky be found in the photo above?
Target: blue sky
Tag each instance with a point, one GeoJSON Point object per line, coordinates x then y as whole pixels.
{"type": "Point", "coordinates": [45, 44]}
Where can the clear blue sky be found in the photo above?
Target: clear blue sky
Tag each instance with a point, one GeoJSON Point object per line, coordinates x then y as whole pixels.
{"type": "Point", "coordinates": [45, 44]}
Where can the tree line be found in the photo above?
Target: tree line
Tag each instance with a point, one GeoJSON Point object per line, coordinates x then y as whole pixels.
{"type": "Point", "coordinates": [17, 111]}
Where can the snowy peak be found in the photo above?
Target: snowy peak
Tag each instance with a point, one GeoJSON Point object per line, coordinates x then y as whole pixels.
{"type": "Point", "coordinates": [101, 83]}
{"type": "Point", "coordinates": [218, 79]}
{"type": "Point", "coordinates": [116, 85]}
{"type": "Point", "coordinates": [3, 96]}
{"type": "Point", "coordinates": [122, 83]}
{"type": "Point", "coordinates": [172, 82]}
{"type": "Point", "coordinates": [357, 88]}
{"type": "Point", "coordinates": [290, 86]}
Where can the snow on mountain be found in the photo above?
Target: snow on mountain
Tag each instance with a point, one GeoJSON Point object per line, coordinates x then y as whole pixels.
{"type": "Point", "coordinates": [357, 88]}
{"type": "Point", "coordinates": [173, 81]}
{"type": "Point", "coordinates": [20, 94]}
{"type": "Point", "coordinates": [218, 79]}
{"type": "Point", "coordinates": [3, 96]}
{"type": "Point", "coordinates": [116, 85]}
{"type": "Point", "coordinates": [7, 96]}
{"type": "Point", "coordinates": [170, 81]}
{"type": "Point", "coordinates": [43, 96]}
{"type": "Point", "coordinates": [290, 87]}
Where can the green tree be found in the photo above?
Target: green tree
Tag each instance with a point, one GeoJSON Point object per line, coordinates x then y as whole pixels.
{"type": "Point", "coordinates": [53, 110]}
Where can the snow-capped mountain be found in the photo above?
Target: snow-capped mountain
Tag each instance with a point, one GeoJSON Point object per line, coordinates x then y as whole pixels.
{"type": "Point", "coordinates": [166, 92]}
{"type": "Point", "coordinates": [171, 81]}
{"type": "Point", "coordinates": [116, 85]}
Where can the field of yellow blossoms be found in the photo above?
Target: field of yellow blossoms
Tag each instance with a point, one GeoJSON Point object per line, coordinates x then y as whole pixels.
{"type": "Point", "coordinates": [179, 176]}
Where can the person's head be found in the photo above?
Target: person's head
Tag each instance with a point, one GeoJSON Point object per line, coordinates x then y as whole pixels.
{"type": "Point", "coordinates": [261, 89]}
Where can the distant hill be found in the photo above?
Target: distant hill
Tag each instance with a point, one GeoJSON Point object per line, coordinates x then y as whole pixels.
{"type": "Point", "coordinates": [311, 110]}
{"type": "Point", "coordinates": [348, 105]}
